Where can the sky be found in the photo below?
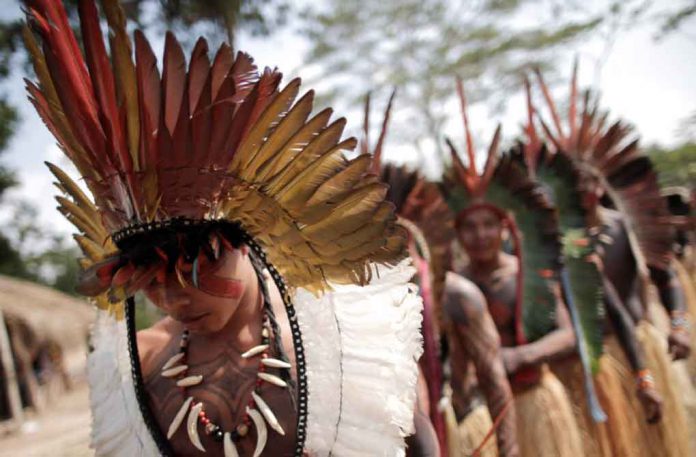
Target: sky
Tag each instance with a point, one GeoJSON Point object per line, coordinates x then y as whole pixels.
{"type": "Point", "coordinates": [648, 83]}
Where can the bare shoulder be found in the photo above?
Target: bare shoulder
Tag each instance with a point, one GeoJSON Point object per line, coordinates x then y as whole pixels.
{"type": "Point", "coordinates": [463, 301]}
{"type": "Point", "coordinates": [152, 341]}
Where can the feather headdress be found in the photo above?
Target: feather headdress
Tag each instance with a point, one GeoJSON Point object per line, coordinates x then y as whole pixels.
{"type": "Point", "coordinates": [200, 146]}
{"type": "Point", "coordinates": [611, 154]}
{"type": "Point", "coordinates": [505, 188]}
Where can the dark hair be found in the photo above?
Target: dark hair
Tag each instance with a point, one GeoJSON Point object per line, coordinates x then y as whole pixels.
{"type": "Point", "coordinates": [148, 243]}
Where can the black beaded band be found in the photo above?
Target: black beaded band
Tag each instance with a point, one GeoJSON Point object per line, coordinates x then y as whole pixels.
{"type": "Point", "coordinates": [138, 385]}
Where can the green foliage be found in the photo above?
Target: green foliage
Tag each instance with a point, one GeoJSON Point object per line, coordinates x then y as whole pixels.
{"type": "Point", "coordinates": [675, 167]}
{"type": "Point", "coordinates": [584, 286]}
{"type": "Point", "coordinates": [420, 46]}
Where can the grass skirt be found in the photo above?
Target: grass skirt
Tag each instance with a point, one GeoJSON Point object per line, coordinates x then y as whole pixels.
{"type": "Point", "coordinates": [546, 426]}
{"type": "Point", "coordinates": [668, 438]}
{"type": "Point", "coordinates": [618, 436]}
{"type": "Point", "coordinates": [471, 432]}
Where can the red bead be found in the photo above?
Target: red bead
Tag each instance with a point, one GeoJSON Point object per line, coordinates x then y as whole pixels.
{"type": "Point", "coordinates": [201, 414]}
{"type": "Point", "coordinates": [205, 420]}
{"type": "Point", "coordinates": [264, 355]}
{"type": "Point", "coordinates": [259, 382]}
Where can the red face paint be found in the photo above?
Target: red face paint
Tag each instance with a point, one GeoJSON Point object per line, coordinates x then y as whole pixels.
{"type": "Point", "coordinates": [221, 287]}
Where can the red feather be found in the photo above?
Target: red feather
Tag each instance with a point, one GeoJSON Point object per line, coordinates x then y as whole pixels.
{"type": "Point", "coordinates": [173, 82]}
{"type": "Point", "coordinates": [149, 100]}
{"type": "Point", "coordinates": [198, 75]}
{"type": "Point", "coordinates": [103, 82]}
{"type": "Point", "coordinates": [222, 64]}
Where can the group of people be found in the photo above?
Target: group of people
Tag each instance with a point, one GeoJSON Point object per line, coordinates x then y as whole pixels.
{"type": "Point", "coordinates": [316, 304]}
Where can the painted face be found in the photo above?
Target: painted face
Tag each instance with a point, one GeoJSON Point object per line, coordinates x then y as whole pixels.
{"type": "Point", "coordinates": [591, 191]}
{"type": "Point", "coordinates": [208, 307]}
{"type": "Point", "coordinates": [480, 232]}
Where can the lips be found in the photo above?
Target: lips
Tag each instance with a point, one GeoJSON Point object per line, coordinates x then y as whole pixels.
{"type": "Point", "coordinates": [190, 319]}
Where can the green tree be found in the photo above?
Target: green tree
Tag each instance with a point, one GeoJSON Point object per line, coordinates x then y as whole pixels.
{"type": "Point", "coordinates": [677, 166]}
{"type": "Point", "coordinates": [421, 45]}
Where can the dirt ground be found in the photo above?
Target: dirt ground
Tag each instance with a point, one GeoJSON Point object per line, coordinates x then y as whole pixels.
{"type": "Point", "coordinates": [62, 431]}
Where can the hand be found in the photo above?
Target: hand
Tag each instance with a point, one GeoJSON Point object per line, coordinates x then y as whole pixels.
{"type": "Point", "coordinates": [679, 344]}
{"type": "Point", "coordinates": [512, 359]}
{"type": "Point", "coordinates": [652, 404]}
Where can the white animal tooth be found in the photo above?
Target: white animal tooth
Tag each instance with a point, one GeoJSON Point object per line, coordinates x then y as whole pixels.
{"type": "Point", "coordinates": [256, 350]}
{"type": "Point", "coordinates": [190, 381]}
{"type": "Point", "coordinates": [229, 447]}
{"type": "Point", "coordinates": [261, 431]}
{"type": "Point", "coordinates": [275, 363]}
{"type": "Point", "coordinates": [267, 413]}
{"type": "Point", "coordinates": [176, 371]}
{"type": "Point", "coordinates": [173, 361]}
{"type": "Point", "coordinates": [192, 426]}
{"type": "Point", "coordinates": [179, 418]}
{"type": "Point", "coordinates": [273, 379]}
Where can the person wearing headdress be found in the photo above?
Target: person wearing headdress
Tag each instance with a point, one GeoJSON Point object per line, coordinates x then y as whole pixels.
{"type": "Point", "coordinates": [521, 289]}
{"type": "Point", "coordinates": [474, 359]}
{"type": "Point", "coordinates": [601, 413]}
{"type": "Point", "coordinates": [625, 209]}
{"type": "Point", "coordinates": [414, 204]}
{"type": "Point", "coordinates": [290, 327]}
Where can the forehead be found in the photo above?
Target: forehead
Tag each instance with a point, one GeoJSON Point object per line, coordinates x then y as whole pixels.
{"type": "Point", "coordinates": [480, 216]}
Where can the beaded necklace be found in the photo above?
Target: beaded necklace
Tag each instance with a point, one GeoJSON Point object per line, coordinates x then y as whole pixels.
{"type": "Point", "coordinates": [258, 413]}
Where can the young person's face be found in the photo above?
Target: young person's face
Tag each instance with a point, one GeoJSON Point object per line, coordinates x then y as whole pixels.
{"type": "Point", "coordinates": [591, 191]}
{"type": "Point", "coordinates": [209, 307]}
{"type": "Point", "coordinates": [480, 232]}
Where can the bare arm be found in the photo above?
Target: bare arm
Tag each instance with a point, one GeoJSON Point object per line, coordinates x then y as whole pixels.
{"type": "Point", "coordinates": [672, 298]}
{"type": "Point", "coordinates": [465, 306]}
{"type": "Point", "coordinates": [423, 443]}
{"type": "Point", "coordinates": [624, 326]}
{"type": "Point", "coordinates": [555, 345]}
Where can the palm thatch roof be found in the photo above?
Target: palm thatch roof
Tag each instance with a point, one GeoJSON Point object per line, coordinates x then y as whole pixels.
{"type": "Point", "coordinates": [52, 315]}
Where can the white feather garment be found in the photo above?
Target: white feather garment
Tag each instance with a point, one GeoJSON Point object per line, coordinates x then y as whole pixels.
{"type": "Point", "coordinates": [117, 424]}
{"type": "Point", "coordinates": [362, 345]}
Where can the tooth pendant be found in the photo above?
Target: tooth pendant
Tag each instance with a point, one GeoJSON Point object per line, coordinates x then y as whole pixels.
{"type": "Point", "coordinates": [170, 373]}
{"type": "Point", "coordinates": [273, 379]}
{"type": "Point", "coordinates": [261, 431]}
{"type": "Point", "coordinates": [267, 413]}
{"type": "Point", "coordinates": [179, 418]}
{"type": "Point", "coordinates": [229, 447]}
{"type": "Point", "coordinates": [256, 350]}
{"type": "Point", "coordinates": [190, 381]}
{"type": "Point", "coordinates": [173, 361]}
{"type": "Point", "coordinates": [275, 363]}
{"type": "Point", "coordinates": [192, 426]}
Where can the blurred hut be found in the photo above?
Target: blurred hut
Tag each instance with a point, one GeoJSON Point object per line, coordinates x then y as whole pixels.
{"type": "Point", "coordinates": [43, 346]}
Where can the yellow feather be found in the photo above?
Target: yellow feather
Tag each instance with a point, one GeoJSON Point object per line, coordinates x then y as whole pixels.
{"type": "Point", "coordinates": [269, 119]}
{"type": "Point", "coordinates": [124, 70]}
{"type": "Point", "coordinates": [296, 144]}
{"type": "Point", "coordinates": [326, 140]}
{"type": "Point", "coordinates": [93, 250]}
{"type": "Point", "coordinates": [81, 225]}
{"type": "Point", "coordinates": [40, 67]}
{"type": "Point", "coordinates": [341, 182]}
{"type": "Point", "coordinates": [287, 127]}
{"type": "Point", "coordinates": [295, 193]}
{"type": "Point", "coordinates": [71, 188]}
{"type": "Point", "coordinates": [350, 213]}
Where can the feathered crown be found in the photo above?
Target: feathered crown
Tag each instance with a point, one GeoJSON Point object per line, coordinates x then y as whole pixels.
{"type": "Point", "coordinates": [611, 154]}
{"type": "Point", "coordinates": [208, 145]}
{"type": "Point", "coordinates": [505, 188]}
